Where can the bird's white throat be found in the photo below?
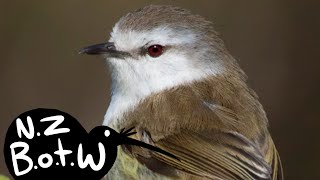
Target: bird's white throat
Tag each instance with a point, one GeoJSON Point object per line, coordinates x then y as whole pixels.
{"type": "Point", "coordinates": [134, 81]}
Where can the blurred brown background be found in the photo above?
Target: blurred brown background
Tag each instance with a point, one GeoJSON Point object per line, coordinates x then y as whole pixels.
{"type": "Point", "coordinates": [275, 41]}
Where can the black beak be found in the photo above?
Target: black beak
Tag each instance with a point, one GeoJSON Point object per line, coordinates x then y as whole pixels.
{"type": "Point", "coordinates": [103, 48]}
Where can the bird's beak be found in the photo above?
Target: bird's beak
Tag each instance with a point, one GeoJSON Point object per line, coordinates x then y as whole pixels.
{"type": "Point", "coordinates": [103, 48]}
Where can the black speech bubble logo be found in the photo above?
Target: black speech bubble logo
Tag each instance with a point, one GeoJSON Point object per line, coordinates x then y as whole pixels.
{"type": "Point", "coordinates": [51, 144]}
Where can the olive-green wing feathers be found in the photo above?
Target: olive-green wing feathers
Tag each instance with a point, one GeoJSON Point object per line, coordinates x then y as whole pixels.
{"type": "Point", "coordinates": [224, 156]}
{"type": "Point", "coordinates": [214, 154]}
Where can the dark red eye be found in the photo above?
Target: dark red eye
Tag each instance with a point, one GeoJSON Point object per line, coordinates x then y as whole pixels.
{"type": "Point", "coordinates": [155, 50]}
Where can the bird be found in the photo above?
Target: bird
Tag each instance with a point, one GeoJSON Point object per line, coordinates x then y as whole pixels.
{"type": "Point", "coordinates": [174, 81]}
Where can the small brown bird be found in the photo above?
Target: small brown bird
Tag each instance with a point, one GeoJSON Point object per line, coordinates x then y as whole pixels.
{"type": "Point", "coordinates": [175, 82]}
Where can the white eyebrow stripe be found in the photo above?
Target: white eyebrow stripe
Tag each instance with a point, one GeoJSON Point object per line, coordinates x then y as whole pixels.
{"type": "Point", "coordinates": [129, 39]}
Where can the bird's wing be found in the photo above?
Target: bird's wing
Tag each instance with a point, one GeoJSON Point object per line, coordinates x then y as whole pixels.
{"type": "Point", "coordinates": [214, 154]}
{"type": "Point", "coordinates": [224, 156]}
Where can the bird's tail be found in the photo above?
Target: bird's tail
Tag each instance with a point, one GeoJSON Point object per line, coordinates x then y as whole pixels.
{"type": "Point", "coordinates": [273, 158]}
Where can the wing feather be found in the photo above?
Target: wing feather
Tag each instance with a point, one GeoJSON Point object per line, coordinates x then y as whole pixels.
{"type": "Point", "coordinates": [213, 158]}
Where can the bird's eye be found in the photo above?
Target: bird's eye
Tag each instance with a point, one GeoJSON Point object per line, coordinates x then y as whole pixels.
{"type": "Point", "coordinates": [155, 50]}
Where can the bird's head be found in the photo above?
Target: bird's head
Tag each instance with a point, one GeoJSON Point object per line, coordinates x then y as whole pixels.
{"type": "Point", "coordinates": [160, 47]}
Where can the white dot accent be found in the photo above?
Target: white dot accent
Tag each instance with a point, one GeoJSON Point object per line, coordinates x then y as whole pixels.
{"type": "Point", "coordinates": [38, 134]}
{"type": "Point", "coordinates": [72, 164]}
{"type": "Point", "coordinates": [57, 163]}
{"type": "Point", "coordinates": [107, 133]}
{"type": "Point", "coordinates": [35, 167]}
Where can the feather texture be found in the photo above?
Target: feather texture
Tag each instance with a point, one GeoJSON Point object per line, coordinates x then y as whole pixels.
{"type": "Point", "coordinates": [212, 140]}
{"type": "Point", "coordinates": [192, 101]}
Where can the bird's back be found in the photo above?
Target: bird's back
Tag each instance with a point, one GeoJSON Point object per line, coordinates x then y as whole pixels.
{"type": "Point", "coordinates": [221, 130]}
